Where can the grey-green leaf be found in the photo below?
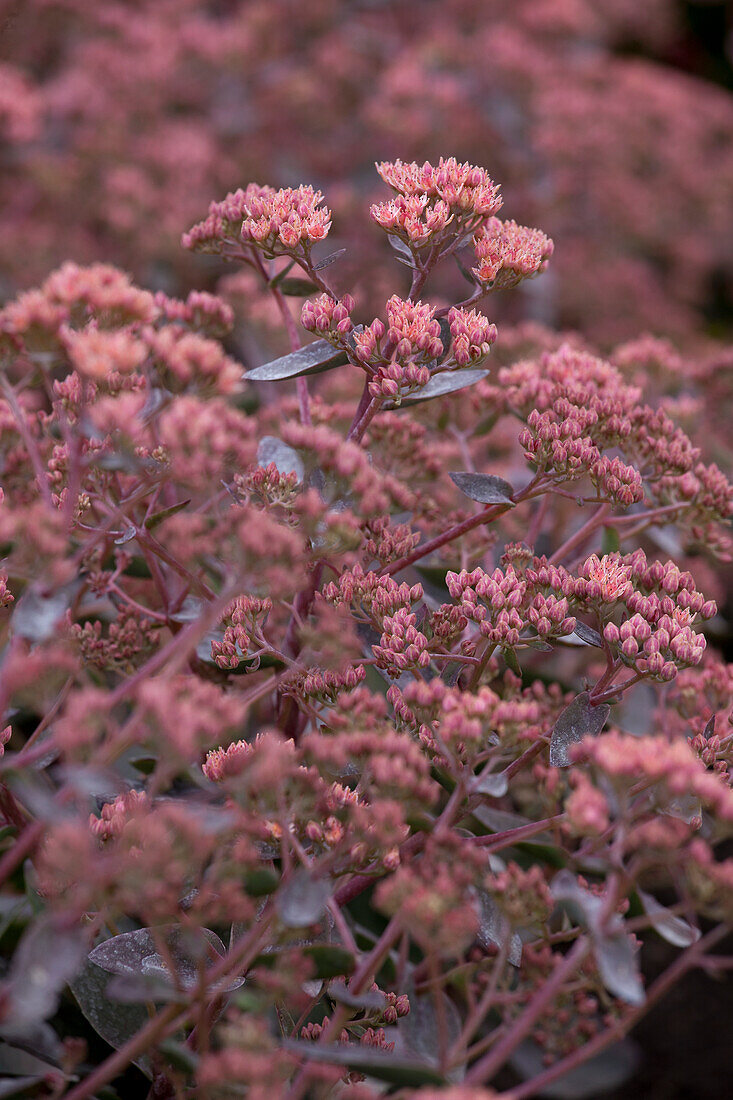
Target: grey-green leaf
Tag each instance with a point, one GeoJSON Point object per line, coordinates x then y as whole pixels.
{"type": "Point", "coordinates": [606, 1071]}
{"type": "Point", "coordinates": [494, 929]}
{"type": "Point", "coordinates": [137, 953]}
{"type": "Point", "coordinates": [311, 359]}
{"type": "Point", "coordinates": [286, 458]}
{"type": "Point", "coordinates": [614, 949]}
{"type": "Point", "coordinates": [673, 929]}
{"type": "Point", "coordinates": [301, 901]}
{"type": "Point", "coordinates": [485, 488]}
{"type": "Point", "coordinates": [441, 385]}
{"type": "Point", "coordinates": [47, 957]}
{"type": "Point", "coordinates": [116, 1023]}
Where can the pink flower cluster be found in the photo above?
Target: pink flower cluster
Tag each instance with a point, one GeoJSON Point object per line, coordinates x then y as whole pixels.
{"type": "Point", "coordinates": [402, 645]}
{"type": "Point", "coordinates": [285, 221]}
{"type": "Point", "coordinates": [223, 224]}
{"type": "Point", "coordinates": [413, 218]}
{"type": "Point", "coordinates": [377, 596]}
{"type": "Point", "coordinates": [245, 614]}
{"type": "Point", "coordinates": [506, 253]}
{"type": "Point", "coordinates": [472, 336]}
{"type": "Point", "coordinates": [465, 189]}
{"type": "Point", "coordinates": [328, 317]}
{"type": "Point", "coordinates": [661, 604]}
{"type": "Point", "coordinates": [505, 604]}
{"type": "Point", "coordinates": [115, 815]}
{"type": "Point", "coordinates": [673, 765]}
{"type": "Point", "coordinates": [559, 443]}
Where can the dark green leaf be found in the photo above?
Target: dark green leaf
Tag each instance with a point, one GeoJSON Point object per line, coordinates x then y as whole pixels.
{"type": "Point", "coordinates": [330, 960]}
{"type": "Point", "coordinates": [510, 656]}
{"type": "Point", "coordinates": [312, 359]}
{"type": "Point", "coordinates": [146, 765]}
{"type": "Point", "coordinates": [485, 488]}
{"type": "Point", "coordinates": [580, 719]}
{"type": "Point", "coordinates": [298, 288]}
{"type": "Point", "coordinates": [261, 881]}
{"type": "Point", "coordinates": [370, 1061]}
{"type": "Point", "coordinates": [179, 1055]}
{"type": "Point", "coordinates": [158, 517]}
{"type": "Point", "coordinates": [277, 279]}
{"type": "Point", "coordinates": [610, 543]}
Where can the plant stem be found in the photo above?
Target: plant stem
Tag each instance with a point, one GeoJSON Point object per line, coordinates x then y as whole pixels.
{"type": "Point", "coordinates": [581, 536]}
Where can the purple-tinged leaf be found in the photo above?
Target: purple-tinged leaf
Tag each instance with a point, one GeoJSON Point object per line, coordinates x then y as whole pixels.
{"type": "Point", "coordinates": [399, 245]}
{"type": "Point", "coordinates": [493, 784]}
{"type": "Point", "coordinates": [48, 956]}
{"type": "Point", "coordinates": [38, 614]}
{"type": "Point", "coordinates": [580, 719]}
{"type": "Point", "coordinates": [17, 1086]}
{"type": "Point", "coordinates": [617, 960]}
{"type": "Point", "coordinates": [286, 459]}
{"type": "Point", "coordinates": [115, 1022]}
{"type": "Point", "coordinates": [601, 1074]}
{"type": "Point", "coordinates": [137, 953]}
{"type": "Point", "coordinates": [311, 359]}
{"type": "Point", "coordinates": [441, 385]}
{"type": "Point", "coordinates": [685, 807]}
{"type": "Point", "coordinates": [614, 949]}
{"type": "Point", "coordinates": [419, 1033]}
{"type": "Point", "coordinates": [372, 999]}
{"type": "Point", "coordinates": [127, 536]}
{"type": "Point", "coordinates": [301, 901]}
{"type": "Point", "coordinates": [494, 928]}
{"type": "Point", "coordinates": [587, 634]}
{"type": "Point", "coordinates": [143, 989]}
{"type": "Point", "coordinates": [485, 488]}
{"type": "Point", "coordinates": [673, 929]}
{"type": "Point", "coordinates": [328, 260]}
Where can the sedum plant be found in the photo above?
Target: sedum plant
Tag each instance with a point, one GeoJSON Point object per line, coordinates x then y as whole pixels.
{"type": "Point", "coordinates": [357, 735]}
